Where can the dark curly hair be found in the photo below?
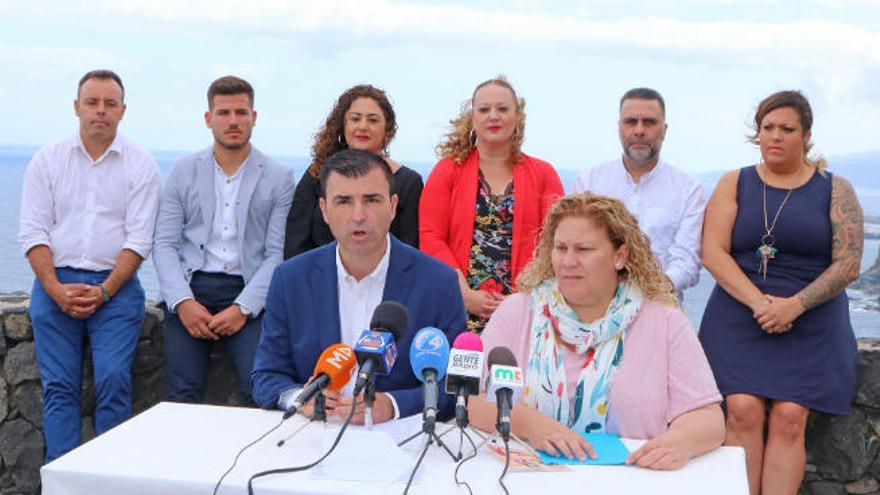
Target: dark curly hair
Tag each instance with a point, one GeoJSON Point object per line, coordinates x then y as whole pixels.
{"type": "Point", "coordinates": [330, 138]}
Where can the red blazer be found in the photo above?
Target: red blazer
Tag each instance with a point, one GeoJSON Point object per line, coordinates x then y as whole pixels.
{"type": "Point", "coordinates": [448, 207]}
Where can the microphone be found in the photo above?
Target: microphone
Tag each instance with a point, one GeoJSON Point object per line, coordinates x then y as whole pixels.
{"type": "Point", "coordinates": [504, 386]}
{"type": "Point", "coordinates": [428, 355]}
{"type": "Point", "coordinates": [334, 369]}
{"type": "Point", "coordinates": [375, 349]}
{"type": "Point", "coordinates": [464, 372]}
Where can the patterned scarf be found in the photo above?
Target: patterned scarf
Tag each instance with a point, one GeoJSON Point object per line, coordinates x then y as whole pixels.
{"type": "Point", "coordinates": [601, 342]}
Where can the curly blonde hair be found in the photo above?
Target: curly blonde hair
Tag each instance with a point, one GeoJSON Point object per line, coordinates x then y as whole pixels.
{"type": "Point", "coordinates": [641, 267]}
{"type": "Point", "coordinates": [458, 143]}
{"type": "Point", "coordinates": [330, 138]}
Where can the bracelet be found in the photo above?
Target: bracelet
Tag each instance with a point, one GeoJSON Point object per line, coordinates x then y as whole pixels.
{"type": "Point", "coordinates": [104, 293]}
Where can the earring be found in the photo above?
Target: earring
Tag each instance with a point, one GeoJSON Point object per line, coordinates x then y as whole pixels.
{"type": "Point", "coordinates": [472, 137]}
{"type": "Point", "coordinates": [341, 140]}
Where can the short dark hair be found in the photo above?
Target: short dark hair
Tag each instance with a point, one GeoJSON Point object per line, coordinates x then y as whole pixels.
{"type": "Point", "coordinates": [230, 85]}
{"type": "Point", "coordinates": [100, 74]}
{"type": "Point", "coordinates": [353, 163]}
{"type": "Point", "coordinates": [644, 94]}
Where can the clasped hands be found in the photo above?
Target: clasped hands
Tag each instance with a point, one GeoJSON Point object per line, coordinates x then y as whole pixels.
{"type": "Point", "coordinates": [78, 301]}
{"type": "Point", "coordinates": [201, 324]}
{"type": "Point", "coordinates": [339, 406]}
{"type": "Point", "coordinates": [777, 314]}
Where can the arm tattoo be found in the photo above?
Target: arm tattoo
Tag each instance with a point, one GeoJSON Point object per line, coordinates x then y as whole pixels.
{"type": "Point", "coordinates": [847, 230]}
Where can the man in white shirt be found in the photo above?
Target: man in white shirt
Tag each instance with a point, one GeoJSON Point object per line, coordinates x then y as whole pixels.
{"type": "Point", "coordinates": [667, 202]}
{"type": "Point", "coordinates": [328, 295]}
{"type": "Point", "coordinates": [88, 209]}
{"type": "Point", "coordinates": [219, 236]}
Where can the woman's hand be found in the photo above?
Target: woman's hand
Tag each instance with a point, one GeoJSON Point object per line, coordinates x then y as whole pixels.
{"type": "Point", "coordinates": [481, 302]}
{"type": "Point", "coordinates": [553, 437]}
{"type": "Point", "coordinates": [778, 314]}
{"type": "Point", "coordinates": [691, 434]}
{"type": "Point", "coordinates": [662, 453]}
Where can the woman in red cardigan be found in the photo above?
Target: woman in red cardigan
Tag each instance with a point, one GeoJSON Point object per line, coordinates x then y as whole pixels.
{"type": "Point", "coordinates": [483, 204]}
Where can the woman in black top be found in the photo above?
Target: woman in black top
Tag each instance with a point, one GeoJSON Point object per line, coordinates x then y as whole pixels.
{"type": "Point", "coordinates": [361, 119]}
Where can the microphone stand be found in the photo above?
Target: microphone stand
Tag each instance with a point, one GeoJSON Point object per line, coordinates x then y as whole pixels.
{"type": "Point", "coordinates": [320, 411]}
{"type": "Point", "coordinates": [318, 414]}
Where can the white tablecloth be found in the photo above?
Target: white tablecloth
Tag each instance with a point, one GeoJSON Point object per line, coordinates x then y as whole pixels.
{"type": "Point", "coordinates": [183, 449]}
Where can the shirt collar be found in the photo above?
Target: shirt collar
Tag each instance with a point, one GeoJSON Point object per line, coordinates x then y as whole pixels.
{"type": "Point", "coordinates": [378, 273]}
{"type": "Point", "coordinates": [237, 173]}
{"type": "Point", "coordinates": [115, 146]}
{"type": "Point", "coordinates": [653, 173]}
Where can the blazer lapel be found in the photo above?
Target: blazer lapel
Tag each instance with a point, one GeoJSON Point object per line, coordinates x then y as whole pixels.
{"type": "Point", "coordinates": [205, 186]}
{"type": "Point", "coordinates": [323, 283]}
{"type": "Point", "coordinates": [250, 176]}
{"type": "Point", "coordinates": [398, 281]}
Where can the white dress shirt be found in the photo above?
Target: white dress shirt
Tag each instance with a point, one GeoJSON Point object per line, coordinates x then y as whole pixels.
{"type": "Point", "coordinates": [358, 300]}
{"type": "Point", "coordinates": [87, 211]}
{"type": "Point", "coordinates": [669, 206]}
{"type": "Point", "coordinates": [221, 250]}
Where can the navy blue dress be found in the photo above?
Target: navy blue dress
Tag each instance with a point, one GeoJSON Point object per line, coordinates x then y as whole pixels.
{"type": "Point", "coordinates": [814, 364]}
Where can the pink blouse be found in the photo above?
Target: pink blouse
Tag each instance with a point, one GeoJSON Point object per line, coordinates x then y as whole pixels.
{"type": "Point", "coordinates": [663, 374]}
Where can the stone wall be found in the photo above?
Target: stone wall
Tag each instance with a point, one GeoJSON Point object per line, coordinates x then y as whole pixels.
{"type": "Point", "coordinates": [21, 420]}
{"type": "Point", "coordinates": [842, 452]}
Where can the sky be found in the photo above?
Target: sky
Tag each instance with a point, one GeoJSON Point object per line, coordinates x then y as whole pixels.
{"type": "Point", "coordinates": [713, 60]}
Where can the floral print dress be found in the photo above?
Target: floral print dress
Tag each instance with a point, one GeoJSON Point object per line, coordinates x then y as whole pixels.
{"type": "Point", "coordinates": [489, 267]}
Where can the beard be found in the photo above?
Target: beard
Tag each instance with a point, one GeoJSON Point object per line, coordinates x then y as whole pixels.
{"type": "Point", "coordinates": [641, 154]}
{"type": "Point", "coordinates": [233, 145]}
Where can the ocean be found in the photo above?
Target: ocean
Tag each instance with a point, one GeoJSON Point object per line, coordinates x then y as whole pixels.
{"type": "Point", "coordinates": [17, 275]}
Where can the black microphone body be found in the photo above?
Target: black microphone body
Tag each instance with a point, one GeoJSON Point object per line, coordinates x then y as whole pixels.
{"type": "Point", "coordinates": [504, 397]}
{"type": "Point", "coordinates": [431, 392]}
{"type": "Point", "coordinates": [315, 386]}
{"type": "Point", "coordinates": [461, 401]}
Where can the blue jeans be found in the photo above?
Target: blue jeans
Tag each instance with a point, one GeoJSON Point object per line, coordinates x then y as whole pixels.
{"type": "Point", "coordinates": [188, 358]}
{"type": "Point", "coordinates": [112, 332]}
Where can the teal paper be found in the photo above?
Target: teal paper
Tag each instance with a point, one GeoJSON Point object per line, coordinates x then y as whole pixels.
{"type": "Point", "coordinates": [609, 450]}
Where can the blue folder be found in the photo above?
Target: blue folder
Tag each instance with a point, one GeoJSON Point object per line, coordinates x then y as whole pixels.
{"type": "Point", "coordinates": [609, 450]}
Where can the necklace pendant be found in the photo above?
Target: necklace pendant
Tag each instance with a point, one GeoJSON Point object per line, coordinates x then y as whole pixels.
{"type": "Point", "coordinates": [765, 253]}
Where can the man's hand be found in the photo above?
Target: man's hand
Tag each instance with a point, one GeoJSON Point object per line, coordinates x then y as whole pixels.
{"type": "Point", "coordinates": [77, 300]}
{"type": "Point", "coordinates": [383, 409]}
{"type": "Point", "coordinates": [228, 321]}
{"type": "Point", "coordinates": [195, 318]}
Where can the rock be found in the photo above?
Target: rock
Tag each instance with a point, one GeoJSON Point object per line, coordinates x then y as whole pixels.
{"type": "Point", "coordinates": [868, 391]}
{"type": "Point", "coordinates": [4, 401]}
{"type": "Point", "coordinates": [2, 339]}
{"type": "Point", "coordinates": [863, 486]}
{"type": "Point", "coordinates": [841, 446]}
{"type": "Point", "coordinates": [26, 400]}
{"type": "Point", "coordinates": [21, 364]}
{"type": "Point", "coordinates": [151, 324]}
{"type": "Point", "coordinates": [21, 447]}
{"type": "Point", "coordinates": [825, 488]}
{"type": "Point", "coordinates": [148, 358]}
{"type": "Point", "coordinates": [18, 326]}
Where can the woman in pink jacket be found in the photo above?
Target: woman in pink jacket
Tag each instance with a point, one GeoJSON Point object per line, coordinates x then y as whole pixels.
{"type": "Point", "coordinates": [483, 205]}
{"type": "Point", "coordinates": [602, 344]}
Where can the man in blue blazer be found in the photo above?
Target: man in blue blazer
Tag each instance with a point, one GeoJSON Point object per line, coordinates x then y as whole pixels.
{"type": "Point", "coordinates": [327, 295]}
{"type": "Point", "coordinates": [219, 235]}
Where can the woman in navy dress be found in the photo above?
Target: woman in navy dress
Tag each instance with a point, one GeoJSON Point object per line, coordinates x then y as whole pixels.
{"type": "Point", "coordinates": [783, 239]}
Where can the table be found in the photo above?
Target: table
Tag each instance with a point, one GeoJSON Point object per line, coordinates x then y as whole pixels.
{"type": "Point", "coordinates": [183, 449]}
